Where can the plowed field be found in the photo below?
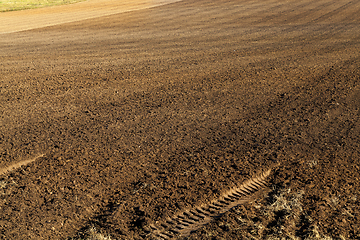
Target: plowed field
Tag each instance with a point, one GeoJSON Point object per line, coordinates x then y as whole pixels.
{"type": "Point", "coordinates": [120, 120]}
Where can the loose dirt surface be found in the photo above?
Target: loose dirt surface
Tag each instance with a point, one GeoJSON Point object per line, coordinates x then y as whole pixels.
{"type": "Point", "coordinates": [144, 114]}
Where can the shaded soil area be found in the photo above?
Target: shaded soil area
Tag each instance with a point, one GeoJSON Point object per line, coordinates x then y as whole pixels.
{"type": "Point", "coordinates": [145, 114]}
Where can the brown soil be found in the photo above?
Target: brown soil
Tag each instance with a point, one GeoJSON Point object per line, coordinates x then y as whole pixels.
{"type": "Point", "coordinates": [144, 114]}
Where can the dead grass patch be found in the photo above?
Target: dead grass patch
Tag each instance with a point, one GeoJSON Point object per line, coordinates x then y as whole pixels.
{"type": "Point", "coordinates": [280, 218]}
{"type": "Point", "coordinates": [93, 234]}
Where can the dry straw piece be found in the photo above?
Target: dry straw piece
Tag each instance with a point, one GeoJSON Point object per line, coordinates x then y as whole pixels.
{"type": "Point", "coordinates": [188, 221]}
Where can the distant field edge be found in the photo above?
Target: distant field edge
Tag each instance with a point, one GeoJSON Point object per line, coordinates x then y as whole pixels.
{"type": "Point", "coordinates": [8, 5]}
{"type": "Point", "coordinates": [15, 21]}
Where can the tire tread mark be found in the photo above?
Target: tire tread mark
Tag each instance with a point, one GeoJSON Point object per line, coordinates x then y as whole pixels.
{"type": "Point", "coordinates": [19, 164]}
{"type": "Point", "coordinates": [188, 221]}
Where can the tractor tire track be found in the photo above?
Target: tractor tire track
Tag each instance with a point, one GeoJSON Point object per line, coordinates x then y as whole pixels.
{"type": "Point", "coordinates": [19, 164]}
{"type": "Point", "coordinates": [188, 221]}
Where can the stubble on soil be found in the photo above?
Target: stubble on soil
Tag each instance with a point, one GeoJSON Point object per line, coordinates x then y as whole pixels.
{"type": "Point", "coordinates": [147, 113]}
